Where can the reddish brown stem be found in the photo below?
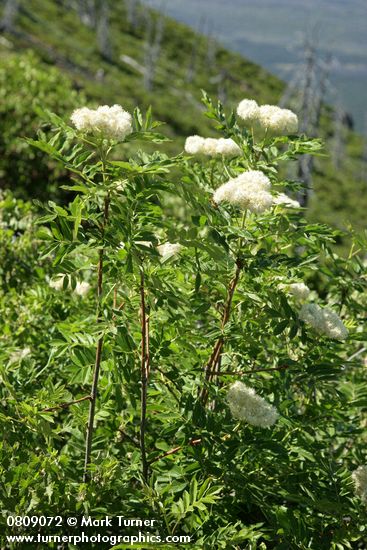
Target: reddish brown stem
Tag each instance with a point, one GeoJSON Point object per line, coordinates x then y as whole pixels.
{"type": "Point", "coordinates": [253, 371]}
{"type": "Point", "coordinates": [97, 364]}
{"type": "Point", "coordinates": [145, 367]}
{"type": "Point", "coordinates": [129, 437]}
{"type": "Point", "coordinates": [67, 404]}
{"type": "Point", "coordinates": [212, 367]}
{"type": "Point", "coordinates": [175, 450]}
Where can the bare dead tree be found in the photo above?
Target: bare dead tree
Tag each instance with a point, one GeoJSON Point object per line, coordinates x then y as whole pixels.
{"type": "Point", "coordinates": [10, 12]}
{"type": "Point", "coordinates": [311, 117]}
{"type": "Point", "coordinates": [293, 87]}
{"type": "Point", "coordinates": [103, 30]}
{"type": "Point", "coordinates": [86, 10]}
{"type": "Point", "coordinates": [211, 49]}
{"type": "Point", "coordinates": [306, 93]}
{"type": "Point", "coordinates": [132, 13]}
{"type": "Point", "coordinates": [363, 175]}
{"type": "Point", "coordinates": [195, 49]}
{"type": "Point", "coordinates": [339, 137]}
{"type": "Point", "coordinates": [152, 48]}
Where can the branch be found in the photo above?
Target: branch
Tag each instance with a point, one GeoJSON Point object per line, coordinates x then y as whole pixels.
{"type": "Point", "coordinates": [97, 365]}
{"type": "Point", "coordinates": [240, 373]}
{"type": "Point", "coordinates": [67, 404]}
{"type": "Point", "coordinates": [192, 443]}
{"type": "Point", "coordinates": [144, 369]}
{"type": "Point", "coordinates": [210, 372]}
{"type": "Point", "coordinates": [129, 437]}
{"type": "Point", "coordinates": [356, 354]}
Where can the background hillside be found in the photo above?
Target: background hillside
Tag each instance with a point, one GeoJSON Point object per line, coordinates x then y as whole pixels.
{"type": "Point", "coordinates": [123, 53]}
{"type": "Point", "coordinates": [272, 33]}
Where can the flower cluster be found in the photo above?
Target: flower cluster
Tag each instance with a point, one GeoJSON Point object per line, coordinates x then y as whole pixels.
{"type": "Point", "coordinates": [246, 405]}
{"type": "Point", "coordinates": [250, 190]}
{"type": "Point", "coordinates": [19, 355]}
{"type": "Point", "coordinates": [283, 200]}
{"type": "Point", "coordinates": [324, 321]}
{"type": "Point", "coordinates": [169, 249]}
{"type": "Point", "coordinates": [267, 118]}
{"type": "Point", "coordinates": [196, 145]}
{"type": "Point", "coordinates": [82, 288]}
{"type": "Point", "coordinates": [359, 477]}
{"type": "Point", "coordinates": [107, 122]}
{"type": "Point", "coordinates": [299, 290]}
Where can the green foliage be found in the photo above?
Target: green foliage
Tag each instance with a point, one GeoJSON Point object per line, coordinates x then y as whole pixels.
{"type": "Point", "coordinates": [25, 84]}
{"type": "Point", "coordinates": [226, 483]}
{"type": "Point", "coordinates": [56, 33]}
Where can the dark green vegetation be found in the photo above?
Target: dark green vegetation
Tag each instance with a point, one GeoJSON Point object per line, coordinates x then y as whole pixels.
{"type": "Point", "coordinates": [186, 63]}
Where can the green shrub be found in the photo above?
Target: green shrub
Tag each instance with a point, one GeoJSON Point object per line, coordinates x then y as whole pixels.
{"type": "Point", "coordinates": [25, 84]}
{"type": "Point", "coordinates": [161, 334]}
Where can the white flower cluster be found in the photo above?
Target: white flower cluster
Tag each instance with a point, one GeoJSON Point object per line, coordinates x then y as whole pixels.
{"type": "Point", "coordinates": [248, 110]}
{"type": "Point", "coordinates": [197, 145]}
{"type": "Point", "coordinates": [324, 321]}
{"type": "Point", "coordinates": [270, 118]}
{"type": "Point", "coordinates": [19, 355]}
{"type": "Point", "coordinates": [108, 122]}
{"type": "Point", "coordinates": [169, 249]}
{"type": "Point", "coordinates": [82, 288]}
{"type": "Point", "coordinates": [283, 200]}
{"type": "Point", "coordinates": [246, 405]}
{"type": "Point", "coordinates": [359, 477]}
{"type": "Point", "coordinates": [300, 291]}
{"type": "Point", "coordinates": [250, 190]}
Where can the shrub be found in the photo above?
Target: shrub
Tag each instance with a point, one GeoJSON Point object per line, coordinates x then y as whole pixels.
{"type": "Point", "coordinates": [25, 84]}
{"type": "Point", "coordinates": [182, 383]}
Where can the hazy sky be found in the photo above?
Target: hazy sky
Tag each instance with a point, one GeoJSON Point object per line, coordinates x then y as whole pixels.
{"type": "Point", "coordinates": [271, 32]}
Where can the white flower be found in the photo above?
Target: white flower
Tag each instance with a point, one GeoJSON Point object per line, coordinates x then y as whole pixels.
{"type": "Point", "coordinates": [359, 477]}
{"type": "Point", "coordinates": [249, 111]}
{"type": "Point", "coordinates": [283, 200]}
{"type": "Point", "coordinates": [120, 185]}
{"type": "Point", "coordinates": [210, 147]}
{"type": "Point", "coordinates": [228, 148]}
{"type": "Point", "coordinates": [169, 249]}
{"type": "Point", "coordinates": [19, 355]}
{"type": "Point", "coordinates": [277, 121]}
{"type": "Point", "coordinates": [108, 122]}
{"type": "Point", "coordinates": [194, 145]}
{"type": "Point", "coordinates": [299, 290]}
{"type": "Point", "coordinates": [249, 190]}
{"type": "Point", "coordinates": [57, 284]}
{"type": "Point", "coordinates": [246, 405]}
{"type": "Point", "coordinates": [197, 145]}
{"type": "Point", "coordinates": [324, 321]}
{"type": "Point", "coordinates": [82, 288]}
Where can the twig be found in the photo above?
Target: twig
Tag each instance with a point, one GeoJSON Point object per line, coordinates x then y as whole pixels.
{"type": "Point", "coordinates": [356, 354]}
{"type": "Point", "coordinates": [240, 373]}
{"type": "Point", "coordinates": [67, 404]}
{"type": "Point", "coordinates": [114, 297]}
{"type": "Point", "coordinates": [129, 437]}
{"type": "Point", "coordinates": [192, 443]}
{"type": "Point", "coordinates": [214, 358]}
{"type": "Point", "coordinates": [167, 385]}
{"type": "Point", "coordinates": [145, 367]}
{"type": "Point", "coordinates": [97, 365]}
